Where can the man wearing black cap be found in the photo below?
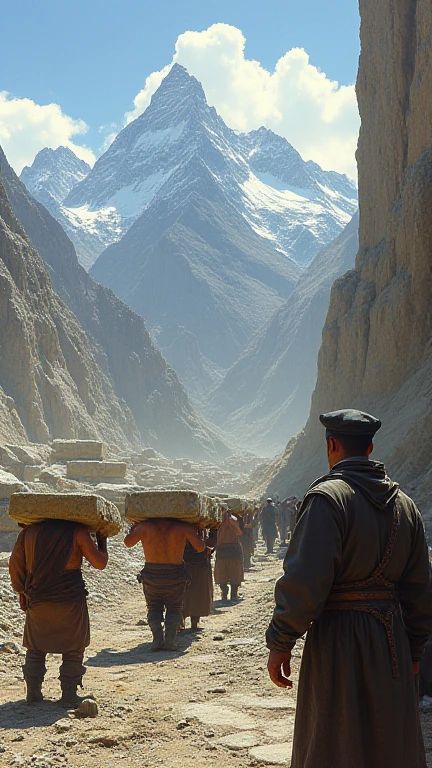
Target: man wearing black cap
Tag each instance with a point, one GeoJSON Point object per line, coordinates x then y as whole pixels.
{"type": "Point", "coordinates": [356, 579]}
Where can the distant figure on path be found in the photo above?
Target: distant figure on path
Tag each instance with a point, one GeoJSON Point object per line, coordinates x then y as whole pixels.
{"type": "Point", "coordinates": [268, 525]}
{"type": "Point", "coordinates": [229, 557]}
{"type": "Point", "coordinates": [198, 598]}
{"type": "Point", "coordinates": [356, 578]}
{"type": "Point", "coordinates": [45, 569]}
{"type": "Point", "coordinates": [250, 523]}
{"type": "Point", "coordinates": [164, 576]}
{"type": "Point", "coordinates": [286, 516]}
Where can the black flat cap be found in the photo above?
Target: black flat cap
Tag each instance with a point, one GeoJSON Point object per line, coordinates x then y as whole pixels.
{"type": "Point", "coordinates": [350, 422]}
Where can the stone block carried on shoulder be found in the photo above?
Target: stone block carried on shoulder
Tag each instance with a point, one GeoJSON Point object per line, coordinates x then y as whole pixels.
{"type": "Point", "coordinates": [85, 450]}
{"type": "Point", "coordinates": [96, 513]}
{"type": "Point", "coordinates": [189, 506]}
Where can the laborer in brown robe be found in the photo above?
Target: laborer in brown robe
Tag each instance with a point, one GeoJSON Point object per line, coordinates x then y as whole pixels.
{"type": "Point", "coordinates": [164, 576]}
{"type": "Point", "coordinates": [198, 598]}
{"type": "Point", "coordinates": [356, 579]}
{"type": "Point", "coordinates": [229, 557]}
{"type": "Point", "coordinates": [45, 569]}
{"type": "Point", "coordinates": [250, 521]}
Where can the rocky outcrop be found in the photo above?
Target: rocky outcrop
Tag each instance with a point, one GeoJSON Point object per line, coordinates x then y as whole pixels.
{"type": "Point", "coordinates": [46, 368]}
{"type": "Point", "coordinates": [266, 395]}
{"type": "Point", "coordinates": [143, 399]}
{"type": "Point", "coordinates": [376, 351]}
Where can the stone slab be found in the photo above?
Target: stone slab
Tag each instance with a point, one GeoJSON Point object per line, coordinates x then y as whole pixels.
{"type": "Point", "coordinates": [88, 450]}
{"type": "Point", "coordinates": [273, 754]}
{"type": "Point", "coordinates": [98, 469]}
{"type": "Point", "coordinates": [214, 715]}
{"type": "Point", "coordinates": [252, 701]}
{"type": "Point", "coordinates": [242, 740]}
{"type": "Point", "coordinates": [182, 505]}
{"type": "Point", "coordinates": [31, 472]}
{"type": "Point", "coordinates": [96, 513]}
{"type": "Point", "coordinates": [9, 484]}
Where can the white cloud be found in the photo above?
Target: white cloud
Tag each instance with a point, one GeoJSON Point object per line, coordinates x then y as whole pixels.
{"type": "Point", "coordinates": [27, 127]}
{"type": "Point", "coordinates": [317, 115]}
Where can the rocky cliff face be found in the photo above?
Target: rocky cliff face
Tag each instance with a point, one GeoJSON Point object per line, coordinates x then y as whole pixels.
{"type": "Point", "coordinates": [50, 382]}
{"type": "Point", "coordinates": [376, 352]}
{"type": "Point", "coordinates": [266, 395]}
{"type": "Point", "coordinates": [143, 390]}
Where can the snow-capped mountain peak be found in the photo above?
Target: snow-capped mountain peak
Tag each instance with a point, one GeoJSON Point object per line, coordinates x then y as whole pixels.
{"type": "Point", "coordinates": [54, 172]}
{"type": "Point", "coordinates": [295, 205]}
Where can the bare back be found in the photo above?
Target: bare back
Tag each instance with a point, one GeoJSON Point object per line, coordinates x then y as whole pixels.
{"type": "Point", "coordinates": [164, 540]}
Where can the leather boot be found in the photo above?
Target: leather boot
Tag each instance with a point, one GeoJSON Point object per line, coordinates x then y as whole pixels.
{"type": "Point", "coordinates": [158, 637]}
{"type": "Point", "coordinates": [70, 699]}
{"type": "Point", "coordinates": [194, 623]}
{"type": "Point", "coordinates": [234, 591]}
{"type": "Point", "coordinates": [170, 636]}
{"type": "Point", "coordinates": [34, 690]}
{"type": "Point", "coordinates": [224, 590]}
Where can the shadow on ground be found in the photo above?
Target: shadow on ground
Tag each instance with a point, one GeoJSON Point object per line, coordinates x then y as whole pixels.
{"type": "Point", "coordinates": [18, 715]}
{"type": "Point", "coordinates": [142, 653]}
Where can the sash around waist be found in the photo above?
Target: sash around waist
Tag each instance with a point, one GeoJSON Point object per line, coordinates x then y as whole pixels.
{"type": "Point", "coordinates": [70, 586]}
{"type": "Point", "coordinates": [225, 551]}
{"type": "Point", "coordinates": [361, 596]}
{"type": "Point", "coordinates": [162, 569]}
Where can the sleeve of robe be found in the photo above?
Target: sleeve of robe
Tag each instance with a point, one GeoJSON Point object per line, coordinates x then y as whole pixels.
{"type": "Point", "coordinates": [17, 565]}
{"type": "Point", "coordinates": [311, 563]}
{"type": "Point", "coordinates": [416, 590]}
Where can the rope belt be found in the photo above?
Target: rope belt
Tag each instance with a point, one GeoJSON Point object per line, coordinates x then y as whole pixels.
{"type": "Point", "coordinates": [383, 604]}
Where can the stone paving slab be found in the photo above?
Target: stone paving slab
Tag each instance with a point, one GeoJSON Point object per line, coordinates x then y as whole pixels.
{"type": "Point", "coordinates": [242, 740]}
{"type": "Point", "coordinates": [215, 715]}
{"type": "Point", "coordinates": [273, 754]}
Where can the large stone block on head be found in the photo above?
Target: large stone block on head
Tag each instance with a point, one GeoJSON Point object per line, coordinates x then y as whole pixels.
{"type": "Point", "coordinates": [86, 450]}
{"type": "Point", "coordinates": [96, 513]}
{"type": "Point", "coordinates": [96, 469]}
{"type": "Point", "coordinates": [189, 506]}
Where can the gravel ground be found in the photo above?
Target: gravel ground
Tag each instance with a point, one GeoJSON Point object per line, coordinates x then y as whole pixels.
{"type": "Point", "coordinates": [209, 703]}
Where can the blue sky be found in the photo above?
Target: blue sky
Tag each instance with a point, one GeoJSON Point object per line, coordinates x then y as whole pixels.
{"type": "Point", "coordinates": [91, 57]}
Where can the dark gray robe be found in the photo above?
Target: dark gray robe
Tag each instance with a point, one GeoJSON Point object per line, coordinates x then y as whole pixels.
{"type": "Point", "coordinates": [351, 711]}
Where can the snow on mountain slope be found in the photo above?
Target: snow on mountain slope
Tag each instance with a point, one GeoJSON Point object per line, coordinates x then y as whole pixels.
{"type": "Point", "coordinates": [49, 179]}
{"type": "Point", "coordinates": [257, 171]}
{"type": "Point", "coordinates": [54, 172]}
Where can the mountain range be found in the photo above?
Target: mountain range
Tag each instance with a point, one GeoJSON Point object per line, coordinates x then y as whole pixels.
{"type": "Point", "coordinates": [210, 229]}
{"type": "Point", "coordinates": [265, 397]}
{"type": "Point", "coordinates": [74, 360]}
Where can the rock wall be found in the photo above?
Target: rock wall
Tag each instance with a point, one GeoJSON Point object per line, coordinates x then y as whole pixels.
{"type": "Point", "coordinates": [376, 350]}
{"type": "Point", "coordinates": [138, 378]}
{"type": "Point", "coordinates": [52, 384]}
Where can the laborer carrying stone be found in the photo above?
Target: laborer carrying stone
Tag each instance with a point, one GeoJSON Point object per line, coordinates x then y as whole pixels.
{"type": "Point", "coordinates": [229, 557]}
{"type": "Point", "coordinates": [164, 576]}
{"type": "Point", "coordinates": [45, 569]}
{"type": "Point", "coordinates": [198, 597]}
{"type": "Point", "coordinates": [356, 578]}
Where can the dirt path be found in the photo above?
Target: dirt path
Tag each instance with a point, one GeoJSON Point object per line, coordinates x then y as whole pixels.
{"type": "Point", "coordinates": [209, 702]}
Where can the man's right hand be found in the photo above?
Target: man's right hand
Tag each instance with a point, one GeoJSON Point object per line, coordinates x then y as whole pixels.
{"type": "Point", "coordinates": [101, 541]}
{"type": "Point", "coordinates": [279, 668]}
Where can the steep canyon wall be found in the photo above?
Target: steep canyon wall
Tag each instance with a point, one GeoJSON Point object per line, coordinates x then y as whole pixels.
{"type": "Point", "coordinates": [376, 348]}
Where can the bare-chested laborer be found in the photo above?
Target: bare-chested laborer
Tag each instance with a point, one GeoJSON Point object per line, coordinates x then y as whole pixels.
{"type": "Point", "coordinates": [164, 576]}
{"type": "Point", "coordinates": [45, 569]}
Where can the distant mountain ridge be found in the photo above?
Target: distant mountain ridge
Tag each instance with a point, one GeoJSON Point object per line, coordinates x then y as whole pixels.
{"type": "Point", "coordinates": [264, 399]}
{"type": "Point", "coordinates": [263, 176]}
{"type": "Point", "coordinates": [138, 396]}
